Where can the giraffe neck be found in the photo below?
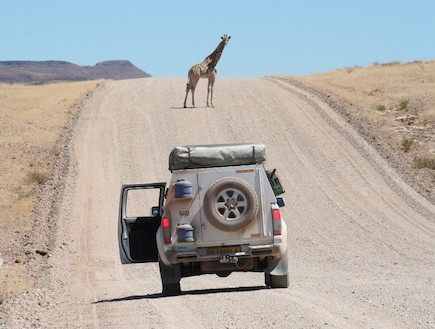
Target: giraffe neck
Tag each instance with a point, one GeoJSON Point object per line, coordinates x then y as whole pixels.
{"type": "Point", "coordinates": [216, 55]}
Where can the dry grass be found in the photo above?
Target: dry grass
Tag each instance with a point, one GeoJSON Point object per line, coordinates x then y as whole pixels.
{"type": "Point", "coordinates": [13, 280]}
{"type": "Point", "coordinates": [398, 98]}
{"type": "Point", "coordinates": [31, 120]}
{"type": "Point", "coordinates": [425, 162]}
{"type": "Point", "coordinates": [32, 117]}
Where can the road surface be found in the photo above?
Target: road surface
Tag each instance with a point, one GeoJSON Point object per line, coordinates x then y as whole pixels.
{"type": "Point", "coordinates": [361, 242]}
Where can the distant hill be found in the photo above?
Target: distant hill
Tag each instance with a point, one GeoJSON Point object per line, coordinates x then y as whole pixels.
{"type": "Point", "coordinates": [47, 71]}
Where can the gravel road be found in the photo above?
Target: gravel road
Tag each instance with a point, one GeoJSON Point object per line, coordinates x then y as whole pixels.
{"type": "Point", "coordinates": [361, 241]}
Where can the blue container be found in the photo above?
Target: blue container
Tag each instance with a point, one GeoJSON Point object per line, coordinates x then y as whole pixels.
{"type": "Point", "coordinates": [183, 189]}
{"type": "Point", "coordinates": [185, 233]}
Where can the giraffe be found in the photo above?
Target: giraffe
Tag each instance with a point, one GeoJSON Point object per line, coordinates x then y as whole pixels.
{"type": "Point", "coordinates": [206, 69]}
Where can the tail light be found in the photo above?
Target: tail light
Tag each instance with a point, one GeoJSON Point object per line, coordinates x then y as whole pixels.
{"type": "Point", "coordinates": [276, 216]}
{"type": "Point", "coordinates": [166, 230]}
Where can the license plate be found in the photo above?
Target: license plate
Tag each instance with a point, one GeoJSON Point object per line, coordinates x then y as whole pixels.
{"type": "Point", "coordinates": [223, 250]}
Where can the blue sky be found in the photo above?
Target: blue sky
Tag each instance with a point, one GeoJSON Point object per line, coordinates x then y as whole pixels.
{"type": "Point", "coordinates": [165, 38]}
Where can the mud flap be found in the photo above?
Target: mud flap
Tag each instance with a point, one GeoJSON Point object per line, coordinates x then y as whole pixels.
{"type": "Point", "coordinates": [278, 267]}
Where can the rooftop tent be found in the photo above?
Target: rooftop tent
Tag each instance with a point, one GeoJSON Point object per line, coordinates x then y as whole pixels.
{"type": "Point", "coordinates": [217, 155]}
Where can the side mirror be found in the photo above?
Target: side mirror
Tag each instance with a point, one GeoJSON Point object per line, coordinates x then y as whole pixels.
{"type": "Point", "coordinates": [155, 211]}
{"type": "Point", "coordinates": [280, 201]}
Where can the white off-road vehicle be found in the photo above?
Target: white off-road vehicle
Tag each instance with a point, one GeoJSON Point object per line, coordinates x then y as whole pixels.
{"type": "Point", "coordinates": [220, 214]}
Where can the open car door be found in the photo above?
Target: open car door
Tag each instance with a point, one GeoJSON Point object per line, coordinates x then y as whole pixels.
{"type": "Point", "coordinates": [140, 212]}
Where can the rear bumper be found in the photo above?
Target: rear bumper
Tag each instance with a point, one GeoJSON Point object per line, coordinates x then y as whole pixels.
{"type": "Point", "coordinates": [171, 255]}
{"type": "Point", "coordinates": [186, 254]}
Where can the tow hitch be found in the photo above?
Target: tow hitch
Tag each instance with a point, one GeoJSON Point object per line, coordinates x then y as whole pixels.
{"type": "Point", "coordinates": [228, 259]}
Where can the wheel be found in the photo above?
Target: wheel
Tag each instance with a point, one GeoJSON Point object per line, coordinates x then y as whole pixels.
{"type": "Point", "coordinates": [267, 279]}
{"type": "Point", "coordinates": [170, 276]}
{"type": "Point", "coordinates": [278, 281]}
{"type": "Point", "coordinates": [223, 274]}
{"type": "Point", "coordinates": [230, 204]}
{"type": "Point", "coordinates": [279, 266]}
{"type": "Point", "coordinates": [171, 289]}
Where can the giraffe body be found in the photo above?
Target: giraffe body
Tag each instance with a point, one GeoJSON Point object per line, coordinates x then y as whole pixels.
{"type": "Point", "coordinates": [205, 69]}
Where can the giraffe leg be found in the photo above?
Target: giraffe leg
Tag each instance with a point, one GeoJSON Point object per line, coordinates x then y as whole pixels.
{"type": "Point", "coordinates": [191, 85]}
{"type": "Point", "coordinates": [208, 93]}
{"type": "Point", "coordinates": [210, 88]}
{"type": "Point", "coordinates": [193, 97]}
{"type": "Point", "coordinates": [187, 93]}
{"type": "Point", "coordinates": [211, 95]}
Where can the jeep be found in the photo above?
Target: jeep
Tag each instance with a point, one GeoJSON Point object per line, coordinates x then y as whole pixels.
{"type": "Point", "coordinates": [220, 213]}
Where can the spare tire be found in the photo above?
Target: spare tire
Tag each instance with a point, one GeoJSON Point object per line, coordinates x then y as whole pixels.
{"type": "Point", "coordinates": [230, 204]}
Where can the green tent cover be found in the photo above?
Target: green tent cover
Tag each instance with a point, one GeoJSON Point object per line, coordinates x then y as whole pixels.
{"type": "Point", "coordinates": [216, 155]}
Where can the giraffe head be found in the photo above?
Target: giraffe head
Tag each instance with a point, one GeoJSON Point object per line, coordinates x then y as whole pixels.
{"type": "Point", "coordinates": [226, 38]}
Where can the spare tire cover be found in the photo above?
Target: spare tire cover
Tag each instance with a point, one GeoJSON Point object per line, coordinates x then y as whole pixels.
{"type": "Point", "coordinates": [230, 204]}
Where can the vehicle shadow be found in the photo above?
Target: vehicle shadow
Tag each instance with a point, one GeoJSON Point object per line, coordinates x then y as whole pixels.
{"type": "Point", "coordinates": [183, 293]}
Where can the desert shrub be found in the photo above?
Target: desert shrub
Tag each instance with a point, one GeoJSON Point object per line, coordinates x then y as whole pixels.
{"type": "Point", "coordinates": [407, 143]}
{"type": "Point", "coordinates": [411, 106]}
{"type": "Point", "coordinates": [425, 162]}
{"type": "Point", "coordinates": [352, 68]}
{"type": "Point", "coordinates": [424, 122]}
{"type": "Point", "coordinates": [393, 63]}
{"type": "Point", "coordinates": [404, 105]}
{"type": "Point", "coordinates": [2, 296]}
{"type": "Point", "coordinates": [37, 177]}
{"type": "Point", "coordinates": [381, 108]}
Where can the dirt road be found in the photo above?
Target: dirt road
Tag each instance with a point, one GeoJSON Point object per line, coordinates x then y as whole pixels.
{"type": "Point", "coordinates": [362, 243]}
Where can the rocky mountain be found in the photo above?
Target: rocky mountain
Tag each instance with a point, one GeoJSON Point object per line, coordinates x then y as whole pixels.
{"type": "Point", "coordinates": [47, 71]}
